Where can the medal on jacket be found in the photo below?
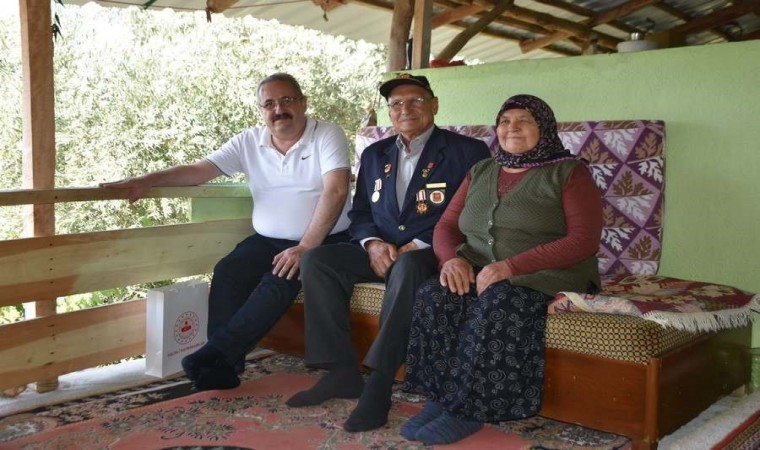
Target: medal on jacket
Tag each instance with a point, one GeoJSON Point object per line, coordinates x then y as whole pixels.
{"type": "Point", "coordinates": [422, 206]}
{"type": "Point", "coordinates": [426, 170]}
{"type": "Point", "coordinates": [387, 170]}
{"type": "Point", "coordinates": [376, 194]}
{"type": "Point", "coordinates": [437, 192]}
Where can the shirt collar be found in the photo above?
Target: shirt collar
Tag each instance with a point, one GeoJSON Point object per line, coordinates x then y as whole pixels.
{"type": "Point", "coordinates": [417, 143]}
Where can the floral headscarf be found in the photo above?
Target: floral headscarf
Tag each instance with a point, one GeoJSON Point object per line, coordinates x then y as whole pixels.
{"type": "Point", "coordinates": [549, 148]}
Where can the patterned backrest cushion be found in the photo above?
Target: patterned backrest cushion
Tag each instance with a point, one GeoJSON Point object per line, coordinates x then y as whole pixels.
{"type": "Point", "coordinates": [626, 160]}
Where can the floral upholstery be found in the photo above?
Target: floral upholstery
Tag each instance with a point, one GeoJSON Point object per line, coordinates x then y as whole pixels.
{"type": "Point", "coordinates": [625, 159]}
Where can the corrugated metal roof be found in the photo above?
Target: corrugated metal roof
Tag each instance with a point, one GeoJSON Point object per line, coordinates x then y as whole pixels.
{"type": "Point", "coordinates": [361, 20]}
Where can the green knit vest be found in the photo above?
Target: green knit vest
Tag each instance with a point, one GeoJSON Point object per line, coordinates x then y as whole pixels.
{"type": "Point", "coordinates": [530, 215]}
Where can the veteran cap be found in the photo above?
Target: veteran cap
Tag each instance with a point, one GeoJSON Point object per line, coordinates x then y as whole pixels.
{"type": "Point", "coordinates": [405, 78]}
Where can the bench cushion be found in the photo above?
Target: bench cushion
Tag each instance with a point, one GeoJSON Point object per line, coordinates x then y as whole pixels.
{"type": "Point", "coordinates": [624, 338]}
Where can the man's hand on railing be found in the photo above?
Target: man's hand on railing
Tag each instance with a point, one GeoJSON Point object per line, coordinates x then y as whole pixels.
{"type": "Point", "coordinates": [138, 187]}
{"type": "Point", "coordinates": [181, 175]}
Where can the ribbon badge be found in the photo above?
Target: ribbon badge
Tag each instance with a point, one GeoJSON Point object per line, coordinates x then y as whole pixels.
{"type": "Point", "coordinates": [422, 206]}
{"type": "Point", "coordinates": [376, 194]}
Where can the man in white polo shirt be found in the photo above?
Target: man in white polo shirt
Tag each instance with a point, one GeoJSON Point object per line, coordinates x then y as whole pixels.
{"type": "Point", "coordinates": [298, 173]}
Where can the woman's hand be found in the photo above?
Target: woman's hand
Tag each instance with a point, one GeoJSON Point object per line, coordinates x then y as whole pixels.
{"type": "Point", "coordinates": [457, 274]}
{"type": "Point", "coordinates": [491, 274]}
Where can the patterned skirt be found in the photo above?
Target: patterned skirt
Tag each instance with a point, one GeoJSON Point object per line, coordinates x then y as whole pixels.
{"type": "Point", "coordinates": [482, 357]}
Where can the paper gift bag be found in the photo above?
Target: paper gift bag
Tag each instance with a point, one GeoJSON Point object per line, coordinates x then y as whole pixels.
{"type": "Point", "coordinates": [176, 325]}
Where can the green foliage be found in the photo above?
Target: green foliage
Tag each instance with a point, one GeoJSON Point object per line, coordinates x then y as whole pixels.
{"type": "Point", "coordinates": [138, 91]}
{"type": "Point", "coordinates": [10, 314]}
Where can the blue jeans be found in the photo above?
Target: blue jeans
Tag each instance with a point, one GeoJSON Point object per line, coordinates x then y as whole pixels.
{"type": "Point", "coordinates": [246, 299]}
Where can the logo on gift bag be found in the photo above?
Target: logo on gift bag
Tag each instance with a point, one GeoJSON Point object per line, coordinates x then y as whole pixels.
{"type": "Point", "coordinates": [186, 327]}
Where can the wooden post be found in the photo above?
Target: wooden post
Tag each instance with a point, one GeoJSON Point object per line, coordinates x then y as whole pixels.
{"type": "Point", "coordinates": [423, 18]}
{"type": "Point", "coordinates": [403, 12]}
{"type": "Point", "coordinates": [39, 129]}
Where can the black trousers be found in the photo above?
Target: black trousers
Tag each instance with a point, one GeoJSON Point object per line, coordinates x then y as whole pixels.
{"type": "Point", "coordinates": [246, 299]}
{"type": "Point", "coordinates": [328, 275]}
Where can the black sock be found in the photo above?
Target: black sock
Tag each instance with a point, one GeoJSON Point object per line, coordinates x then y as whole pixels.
{"type": "Point", "coordinates": [340, 382]}
{"type": "Point", "coordinates": [205, 358]}
{"type": "Point", "coordinates": [372, 410]}
{"type": "Point", "coordinates": [221, 376]}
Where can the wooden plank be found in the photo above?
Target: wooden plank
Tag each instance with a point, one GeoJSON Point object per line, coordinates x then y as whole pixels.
{"type": "Point", "coordinates": [41, 196]}
{"type": "Point", "coordinates": [51, 346]}
{"type": "Point", "coordinates": [596, 392]}
{"type": "Point", "coordinates": [69, 264]}
{"type": "Point", "coordinates": [695, 376]}
{"type": "Point", "coordinates": [208, 209]}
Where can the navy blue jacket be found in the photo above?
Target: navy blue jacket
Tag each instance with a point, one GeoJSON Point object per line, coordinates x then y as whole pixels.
{"type": "Point", "coordinates": [442, 166]}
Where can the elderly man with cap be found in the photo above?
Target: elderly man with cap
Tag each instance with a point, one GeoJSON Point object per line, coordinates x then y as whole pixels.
{"type": "Point", "coordinates": [403, 187]}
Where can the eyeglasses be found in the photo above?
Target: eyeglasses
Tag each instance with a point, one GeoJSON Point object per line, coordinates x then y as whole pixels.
{"type": "Point", "coordinates": [283, 102]}
{"type": "Point", "coordinates": [396, 105]}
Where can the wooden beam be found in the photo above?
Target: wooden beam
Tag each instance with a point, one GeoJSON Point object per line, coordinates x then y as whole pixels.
{"type": "Point", "coordinates": [38, 104]}
{"type": "Point", "coordinates": [602, 18]}
{"type": "Point", "coordinates": [754, 35]}
{"type": "Point", "coordinates": [582, 11]}
{"type": "Point", "coordinates": [423, 15]}
{"type": "Point", "coordinates": [718, 18]}
{"type": "Point", "coordinates": [401, 24]}
{"type": "Point", "coordinates": [512, 36]}
{"type": "Point", "coordinates": [503, 20]}
{"type": "Point", "coordinates": [463, 37]}
{"type": "Point", "coordinates": [621, 11]}
{"type": "Point", "coordinates": [677, 13]}
{"type": "Point", "coordinates": [569, 7]}
{"type": "Point", "coordinates": [55, 266]}
{"type": "Point", "coordinates": [38, 142]}
{"type": "Point", "coordinates": [501, 34]}
{"type": "Point", "coordinates": [456, 14]}
{"type": "Point", "coordinates": [329, 5]}
{"type": "Point", "coordinates": [552, 23]}
{"type": "Point", "coordinates": [37, 196]}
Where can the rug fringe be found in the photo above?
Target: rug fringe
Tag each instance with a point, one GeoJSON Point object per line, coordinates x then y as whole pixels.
{"type": "Point", "coordinates": [707, 321]}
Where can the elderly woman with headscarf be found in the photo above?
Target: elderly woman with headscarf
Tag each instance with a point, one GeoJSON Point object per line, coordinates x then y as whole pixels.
{"type": "Point", "coordinates": [522, 227]}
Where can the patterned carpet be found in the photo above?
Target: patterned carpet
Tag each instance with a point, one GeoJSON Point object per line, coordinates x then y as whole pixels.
{"type": "Point", "coordinates": [170, 414]}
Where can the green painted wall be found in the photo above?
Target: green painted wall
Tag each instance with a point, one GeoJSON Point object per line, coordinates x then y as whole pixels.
{"type": "Point", "coordinates": [709, 98]}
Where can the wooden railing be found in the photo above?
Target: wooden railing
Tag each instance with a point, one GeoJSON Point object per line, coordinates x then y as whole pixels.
{"type": "Point", "coordinates": [61, 265]}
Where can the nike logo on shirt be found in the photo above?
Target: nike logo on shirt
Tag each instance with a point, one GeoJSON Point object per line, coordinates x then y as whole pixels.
{"type": "Point", "coordinates": [304, 157]}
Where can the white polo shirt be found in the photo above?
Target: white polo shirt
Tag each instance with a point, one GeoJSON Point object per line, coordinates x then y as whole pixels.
{"type": "Point", "coordinates": [286, 188]}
